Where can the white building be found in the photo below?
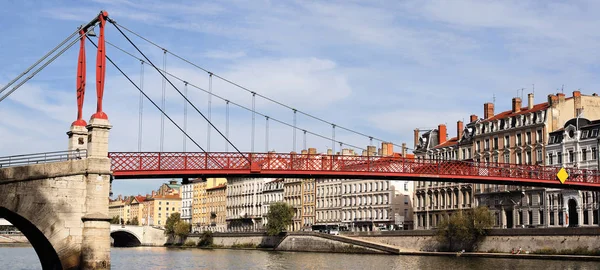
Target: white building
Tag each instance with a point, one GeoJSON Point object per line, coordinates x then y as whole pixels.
{"type": "Point", "coordinates": [272, 193]}
{"type": "Point", "coordinates": [244, 204]}
{"type": "Point", "coordinates": [329, 202]}
{"type": "Point", "coordinates": [369, 205]}
{"type": "Point", "coordinates": [187, 194]}
{"type": "Point", "coordinates": [575, 146]}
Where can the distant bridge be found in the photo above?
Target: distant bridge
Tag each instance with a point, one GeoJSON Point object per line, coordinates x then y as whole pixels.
{"type": "Point", "coordinates": [133, 236]}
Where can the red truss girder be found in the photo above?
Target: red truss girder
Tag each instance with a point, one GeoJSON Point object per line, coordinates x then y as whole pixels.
{"type": "Point", "coordinates": [174, 164]}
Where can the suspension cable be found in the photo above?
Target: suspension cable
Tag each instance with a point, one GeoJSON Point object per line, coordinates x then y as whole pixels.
{"type": "Point", "coordinates": [147, 97]}
{"type": "Point", "coordinates": [42, 67]}
{"type": "Point", "coordinates": [141, 107]}
{"type": "Point", "coordinates": [236, 104]}
{"type": "Point", "coordinates": [248, 90]}
{"type": "Point", "coordinates": [177, 89]}
{"type": "Point", "coordinates": [39, 61]}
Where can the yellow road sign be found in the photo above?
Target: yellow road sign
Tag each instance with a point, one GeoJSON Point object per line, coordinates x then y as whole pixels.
{"type": "Point", "coordinates": [562, 175]}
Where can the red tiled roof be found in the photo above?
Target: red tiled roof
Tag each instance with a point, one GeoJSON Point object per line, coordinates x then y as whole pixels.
{"type": "Point", "coordinates": [451, 142]}
{"type": "Point", "coordinates": [140, 198]}
{"type": "Point", "coordinates": [524, 110]}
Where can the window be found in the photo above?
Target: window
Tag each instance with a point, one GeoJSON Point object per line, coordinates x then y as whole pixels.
{"type": "Point", "coordinates": [528, 157]}
{"type": "Point", "coordinates": [539, 156]}
{"type": "Point", "coordinates": [487, 144]}
{"type": "Point", "coordinates": [506, 141]}
{"type": "Point", "coordinates": [594, 133]}
{"type": "Point", "coordinates": [518, 138]}
{"type": "Point", "coordinates": [507, 157]}
{"type": "Point", "coordinates": [530, 217]}
{"type": "Point", "coordinates": [518, 160]}
{"type": "Point", "coordinates": [539, 136]}
{"type": "Point", "coordinates": [496, 143]}
{"type": "Point", "coordinates": [584, 154]}
{"type": "Point", "coordinates": [528, 137]}
{"type": "Point", "coordinates": [594, 153]}
{"type": "Point", "coordinates": [405, 199]}
{"type": "Point", "coordinates": [478, 146]}
{"type": "Point", "coordinates": [464, 153]}
{"type": "Point", "coordinates": [541, 219]}
{"type": "Point", "coordinates": [405, 186]}
{"type": "Point", "coordinates": [550, 161]}
{"type": "Point", "coordinates": [559, 157]}
{"type": "Point", "coordinates": [571, 156]}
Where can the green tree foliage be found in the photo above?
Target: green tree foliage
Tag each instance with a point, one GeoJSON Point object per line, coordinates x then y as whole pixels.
{"type": "Point", "coordinates": [170, 223]}
{"type": "Point", "coordinates": [464, 229]}
{"type": "Point", "coordinates": [182, 228]}
{"type": "Point", "coordinates": [206, 239]}
{"type": "Point", "coordinates": [135, 221]}
{"type": "Point", "coordinates": [280, 216]}
{"type": "Point", "coordinates": [115, 220]}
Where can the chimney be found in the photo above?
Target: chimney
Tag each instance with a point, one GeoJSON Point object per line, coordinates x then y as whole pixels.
{"type": "Point", "coordinates": [488, 110]}
{"type": "Point", "coordinates": [345, 152]}
{"type": "Point", "coordinates": [473, 118]}
{"type": "Point", "coordinates": [329, 152]}
{"type": "Point", "coordinates": [387, 149]}
{"type": "Point", "coordinates": [364, 153]}
{"type": "Point", "coordinates": [416, 138]}
{"type": "Point", "coordinates": [379, 152]}
{"type": "Point", "coordinates": [561, 97]}
{"type": "Point", "coordinates": [304, 152]}
{"type": "Point", "coordinates": [516, 105]}
{"type": "Point", "coordinates": [459, 129]}
{"type": "Point", "coordinates": [552, 100]}
{"type": "Point", "coordinates": [404, 149]}
{"type": "Point", "coordinates": [577, 102]}
{"type": "Point", "coordinates": [442, 133]}
{"type": "Point", "coordinates": [312, 151]}
{"type": "Point", "coordinates": [530, 101]}
{"type": "Point", "coordinates": [120, 198]}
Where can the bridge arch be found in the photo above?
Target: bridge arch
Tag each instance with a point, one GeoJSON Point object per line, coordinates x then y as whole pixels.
{"type": "Point", "coordinates": [42, 246]}
{"type": "Point", "coordinates": [125, 238]}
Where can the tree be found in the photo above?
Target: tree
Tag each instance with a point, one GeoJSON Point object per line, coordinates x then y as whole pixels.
{"type": "Point", "coordinates": [135, 221]}
{"type": "Point", "coordinates": [170, 223]}
{"type": "Point", "coordinates": [115, 220]}
{"type": "Point", "coordinates": [279, 216]}
{"type": "Point", "coordinates": [464, 229]}
{"type": "Point", "coordinates": [182, 228]}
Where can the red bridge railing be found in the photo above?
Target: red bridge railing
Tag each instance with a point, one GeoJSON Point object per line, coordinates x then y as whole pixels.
{"type": "Point", "coordinates": [173, 163]}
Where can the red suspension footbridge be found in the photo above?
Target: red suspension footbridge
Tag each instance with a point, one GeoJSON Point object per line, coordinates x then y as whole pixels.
{"type": "Point", "coordinates": [204, 163]}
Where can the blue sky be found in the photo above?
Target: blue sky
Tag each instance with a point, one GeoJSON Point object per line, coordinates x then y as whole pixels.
{"type": "Point", "coordinates": [379, 67]}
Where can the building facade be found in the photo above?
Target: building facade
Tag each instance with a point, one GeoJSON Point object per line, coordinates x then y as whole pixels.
{"type": "Point", "coordinates": [575, 146]}
{"type": "Point", "coordinates": [244, 204]}
{"type": "Point", "coordinates": [199, 217]}
{"type": "Point", "coordinates": [272, 193]}
{"type": "Point", "coordinates": [216, 200]}
{"type": "Point", "coordinates": [308, 204]}
{"type": "Point", "coordinates": [329, 202]}
{"type": "Point", "coordinates": [369, 205]}
{"type": "Point", "coordinates": [187, 197]}
{"type": "Point", "coordinates": [292, 195]}
{"type": "Point", "coordinates": [434, 201]}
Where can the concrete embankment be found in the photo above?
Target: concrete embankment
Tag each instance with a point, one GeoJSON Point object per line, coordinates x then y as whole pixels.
{"type": "Point", "coordinates": [13, 239]}
{"type": "Point", "coordinates": [497, 240]}
{"type": "Point", "coordinates": [298, 241]}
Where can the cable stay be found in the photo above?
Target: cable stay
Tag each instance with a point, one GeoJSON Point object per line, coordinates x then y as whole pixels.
{"type": "Point", "coordinates": [248, 90]}
{"type": "Point", "coordinates": [234, 103]}
{"type": "Point", "coordinates": [178, 91]}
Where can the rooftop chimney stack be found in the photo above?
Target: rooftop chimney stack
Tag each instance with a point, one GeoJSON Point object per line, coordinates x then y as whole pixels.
{"type": "Point", "coordinates": [561, 97]}
{"type": "Point", "coordinates": [552, 100]}
{"type": "Point", "coordinates": [442, 134]}
{"type": "Point", "coordinates": [416, 138]}
{"type": "Point", "coordinates": [530, 101]}
{"type": "Point", "coordinates": [516, 105]}
{"type": "Point", "coordinates": [488, 110]}
{"type": "Point", "coordinates": [459, 129]}
{"type": "Point", "coordinates": [371, 150]}
{"type": "Point", "coordinates": [473, 118]}
{"type": "Point", "coordinates": [404, 149]}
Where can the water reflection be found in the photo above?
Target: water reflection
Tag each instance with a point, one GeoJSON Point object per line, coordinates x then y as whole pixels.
{"type": "Point", "coordinates": [173, 258]}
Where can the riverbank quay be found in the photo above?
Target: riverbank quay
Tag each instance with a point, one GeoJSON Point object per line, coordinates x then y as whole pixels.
{"type": "Point", "coordinates": [529, 240]}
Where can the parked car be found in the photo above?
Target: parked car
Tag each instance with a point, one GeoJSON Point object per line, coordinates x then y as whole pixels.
{"type": "Point", "coordinates": [334, 232]}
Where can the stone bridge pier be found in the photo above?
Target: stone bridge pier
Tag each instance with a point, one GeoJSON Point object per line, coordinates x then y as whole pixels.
{"type": "Point", "coordinates": [62, 207]}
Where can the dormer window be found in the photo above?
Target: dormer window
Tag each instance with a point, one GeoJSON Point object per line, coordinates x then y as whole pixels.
{"type": "Point", "coordinates": [594, 133]}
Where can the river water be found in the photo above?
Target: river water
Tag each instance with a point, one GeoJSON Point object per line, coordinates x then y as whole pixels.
{"type": "Point", "coordinates": [148, 258]}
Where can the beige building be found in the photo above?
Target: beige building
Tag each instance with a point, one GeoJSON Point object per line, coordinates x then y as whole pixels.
{"type": "Point", "coordinates": [216, 200]}
{"type": "Point", "coordinates": [136, 210]}
{"type": "Point", "coordinates": [118, 207]}
{"type": "Point", "coordinates": [161, 207]}
{"type": "Point", "coordinates": [308, 203]}
{"type": "Point", "coordinates": [199, 213]}
{"type": "Point", "coordinates": [292, 195]}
